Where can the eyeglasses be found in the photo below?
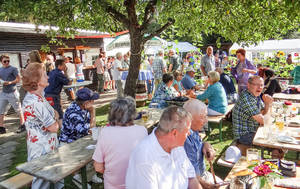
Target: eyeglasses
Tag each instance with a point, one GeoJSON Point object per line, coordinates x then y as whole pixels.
{"type": "Point", "coordinates": [257, 85]}
{"type": "Point", "coordinates": [6, 61]}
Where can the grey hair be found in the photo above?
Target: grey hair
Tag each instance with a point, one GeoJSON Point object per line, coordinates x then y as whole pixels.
{"type": "Point", "coordinates": [173, 117]}
{"type": "Point", "coordinates": [118, 54]}
{"type": "Point", "coordinates": [220, 70]}
{"type": "Point", "coordinates": [122, 111]}
{"type": "Point", "coordinates": [160, 52]}
{"type": "Point", "coordinates": [195, 107]}
{"type": "Point", "coordinates": [214, 76]}
{"type": "Point", "coordinates": [252, 78]}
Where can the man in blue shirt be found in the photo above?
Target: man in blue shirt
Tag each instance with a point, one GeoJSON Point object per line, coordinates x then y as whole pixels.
{"type": "Point", "coordinates": [228, 85]}
{"type": "Point", "coordinates": [188, 81]}
{"type": "Point", "coordinates": [195, 148]}
{"type": "Point", "coordinates": [57, 79]}
{"type": "Point", "coordinates": [79, 116]}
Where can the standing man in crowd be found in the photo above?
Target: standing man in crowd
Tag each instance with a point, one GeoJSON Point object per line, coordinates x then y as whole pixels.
{"type": "Point", "coordinates": [159, 68]}
{"type": "Point", "coordinates": [117, 71]}
{"type": "Point", "coordinates": [248, 112]}
{"type": "Point", "coordinates": [159, 160]}
{"type": "Point", "coordinates": [99, 64]}
{"type": "Point", "coordinates": [71, 73]}
{"type": "Point", "coordinates": [175, 63]}
{"type": "Point", "coordinates": [9, 77]}
{"type": "Point", "coordinates": [57, 79]}
{"type": "Point", "coordinates": [243, 70]}
{"type": "Point", "coordinates": [208, 61]}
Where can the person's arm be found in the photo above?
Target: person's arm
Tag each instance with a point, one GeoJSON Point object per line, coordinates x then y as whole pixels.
{"type": "Point", "coordinates": [176, 87]}
{"type": "Point", "coordinates": [63, 79]}
{"type": "Point", "coordinates": [93, 119]}
{"type": "Point", "coordinates": [205, 95]}
{"type": "Point", "coordinates": [249, 71]}
{"type": "Point", "coordinates": [203, 70]}
{"type": "Point", "coordinates": [99, 167]}
{"type": "Point", "coordinates": [259, 118]}
{"type": "Point", "coordinates": [53, 128]}
{"type": "Point", "coordinates": [268, 100]}
{"type": "Point", "coordinates": [170, 67]}
{"type": "Point", "coordinates": [194, 183]}
{"type": "Point", "coordinates": [208, 151]}
{"type": "Point", "coordinates": [17, 80]}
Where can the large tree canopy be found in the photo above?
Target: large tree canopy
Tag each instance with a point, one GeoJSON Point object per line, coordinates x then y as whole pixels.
{"type": "Point", "coordinates": [235, 20]}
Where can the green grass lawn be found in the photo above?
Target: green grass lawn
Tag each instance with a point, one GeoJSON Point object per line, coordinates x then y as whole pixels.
{"type": "Point", "coordinates": [101, 120]}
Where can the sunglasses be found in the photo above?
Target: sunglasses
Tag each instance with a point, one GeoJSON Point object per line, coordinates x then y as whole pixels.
{"type": "Point", "coordinates": [6, 61]}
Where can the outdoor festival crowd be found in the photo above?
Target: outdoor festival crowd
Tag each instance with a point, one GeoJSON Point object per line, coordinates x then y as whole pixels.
{"type": "Point", "coordinates": [173, 155]}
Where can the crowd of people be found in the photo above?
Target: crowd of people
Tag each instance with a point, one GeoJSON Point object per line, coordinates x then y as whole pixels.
{"type": "Point", "coordinates": [173, 155]}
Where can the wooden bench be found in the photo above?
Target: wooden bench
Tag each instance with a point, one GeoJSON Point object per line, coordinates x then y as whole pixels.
{"type": "Point", "coordinates": [219, 120]}
{"type": "Point", "coordinates": [221, 161]}
{"type": "Point", "coordinates": [18, 181]}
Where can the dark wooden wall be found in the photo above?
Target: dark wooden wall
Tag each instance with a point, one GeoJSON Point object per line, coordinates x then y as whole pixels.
{"type": "Point", "coordinates": [24, 43]}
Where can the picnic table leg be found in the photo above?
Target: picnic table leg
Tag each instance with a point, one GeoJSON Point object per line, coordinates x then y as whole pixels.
{"type": "Point", "coordinates": [220, 131]}
{"type": "Point", "coordinates": [83, 177]}
{"type": "Point", "coordinates": [51, 185]}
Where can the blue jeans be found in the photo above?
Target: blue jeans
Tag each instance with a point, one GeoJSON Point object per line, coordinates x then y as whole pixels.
{"type": "Point", "coordinates": [246, 139]}
{"type": "Point", "coordinates": [150, 85]}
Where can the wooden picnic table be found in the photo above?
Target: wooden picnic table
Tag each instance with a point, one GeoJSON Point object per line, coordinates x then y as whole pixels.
{"type": "Point", "coordinates": [242, 164]}
{"type": "Point", "coordinates": [59, 164]}
{"type": "Point", "coordinates": [154, 118]}
{"type": "Point", "coordinates": [260, 140]}
{"type": "Point", "coordinates": [283, 96]}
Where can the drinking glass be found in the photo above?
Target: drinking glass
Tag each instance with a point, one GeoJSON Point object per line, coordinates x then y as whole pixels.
{"type": "Point", "coordinates": [252, 155]}
{"type": "Point", "coordinates": [145, 116]}
{"type": "Point", "coordinates": [279, 123]}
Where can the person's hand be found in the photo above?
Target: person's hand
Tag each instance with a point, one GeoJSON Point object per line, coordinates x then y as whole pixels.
{"type": "Point", "coordinates": [56, 115]}
{"type": "Point", "coordinates": [267, 99]}
{"type": "Point", "coordinates": [212, 186]}
{"type": "Point", "coordinates": [208, 151]}
{"type": "Point", "coordinates": [192, 94]}
{"type": "Point", "coordinates": [7, 82]}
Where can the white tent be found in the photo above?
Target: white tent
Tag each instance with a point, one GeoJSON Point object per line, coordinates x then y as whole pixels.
{"type": "Point", "coordinates": [269, 47]}
{"type": "Point", "coordinates": [182, 46]}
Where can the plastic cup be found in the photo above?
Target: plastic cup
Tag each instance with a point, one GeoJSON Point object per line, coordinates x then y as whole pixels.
{"type": "Point", "coordinates": [95, 133]}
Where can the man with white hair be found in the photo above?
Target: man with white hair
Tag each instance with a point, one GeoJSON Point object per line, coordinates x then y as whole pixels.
{"type": "Point", "coordinates": [195, 148]}
{"type": "Point", "coordinates": [117, 70]}
{"type": "Point", "coordinates": [208, 61]}
{"type": "Point", "coordinates": [159, 161]}
{"type": "Point", "coordinates": [159, 68]}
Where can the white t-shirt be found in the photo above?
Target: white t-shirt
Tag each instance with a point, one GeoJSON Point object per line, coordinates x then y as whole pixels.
{"type": "Point", "coordinates": [151, 167]}
{"type": "Point", "coordinates": [71, 70]}
{"type": "Point", "coordinates": [116, 73]}
{"type": "Point", "coordinates": [99, 63]}
{"type": "Point", "coordinates": [114, 146]}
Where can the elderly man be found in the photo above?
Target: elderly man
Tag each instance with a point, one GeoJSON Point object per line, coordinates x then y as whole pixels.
{"type": "Point", "coordinates": [159, 161]}
{"type": "Point", "coordinates": [117, 70]}
{"type": "Point", "coordinates": [188, 81]}
{"type": "Point", "coordinates": [195, 148]}
{"type": "Point", "coordinates": [159, 68]}
{"type": "Point", "coordinates": [247, 114]}
{"type": "Point", "coordinates": [175, 62]}
{"type": "Point", "coordinates": [208, 61]}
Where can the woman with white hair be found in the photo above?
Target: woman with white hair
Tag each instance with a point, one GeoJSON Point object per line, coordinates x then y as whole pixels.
{"type": "Point", "coordinates": [215, 93]}
{"type": "Point", "coordinates": [116, 142]}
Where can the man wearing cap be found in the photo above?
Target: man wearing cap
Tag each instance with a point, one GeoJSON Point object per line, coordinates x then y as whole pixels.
{"type": "Point", "coordinates": [195, 148]}
{"type": "Point", "coordinates": [79, 116]}
{"type": "Point", "coordinates": [188, 81]}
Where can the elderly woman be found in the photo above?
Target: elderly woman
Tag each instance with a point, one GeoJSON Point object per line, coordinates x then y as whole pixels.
{"type": "Point", "coordinates": [271, 83]}
{"type": "Point", "coordinates": [215, 93]}
{"type": "Point", "coordinates": [164, 92]}
{"type": "Point", "coordinates": [79, 116]}
{"type": "Point", "coordinates": [41, 120]}
{"type": "Point", "coordinates": [116, 142]}
{"type": "Point", "coordinates": [177, 82]}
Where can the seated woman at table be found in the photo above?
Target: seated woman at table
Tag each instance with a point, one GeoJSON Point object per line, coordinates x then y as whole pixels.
{"type": "Point", "coordinates": [215, 93]}
{"type": "Point", "coordinates": [79, 116]}
{"type": "Point", "coordinates": [116, 142]}
{"type": "Point", "coordinates": [41, 120]}
{"type": "Point", "coordinates": [271, 83]}
{"type": "Point", "coordinates": [177, 82]}
{"type": "Point", "coordinates": [164, 92]}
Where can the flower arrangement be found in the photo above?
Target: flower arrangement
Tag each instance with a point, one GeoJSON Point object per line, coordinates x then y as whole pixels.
{"type": "Point", "coordinates": [265, 172]}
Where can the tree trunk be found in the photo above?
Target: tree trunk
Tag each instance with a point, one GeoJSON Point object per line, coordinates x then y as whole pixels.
{"type": "Point", "coordinates": [136, 48]}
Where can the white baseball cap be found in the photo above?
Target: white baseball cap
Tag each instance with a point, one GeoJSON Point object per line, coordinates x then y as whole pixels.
{"type": "Point", "coordinates": [232, 154]}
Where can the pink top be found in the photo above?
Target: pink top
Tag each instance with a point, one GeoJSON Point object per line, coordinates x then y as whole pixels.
{"type": "Point", "coordinates": [114, 146]}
